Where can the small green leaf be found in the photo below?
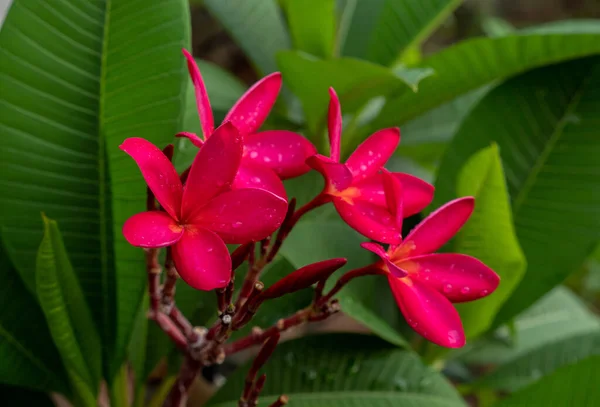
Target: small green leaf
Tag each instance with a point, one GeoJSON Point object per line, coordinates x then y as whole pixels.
{"type": "Point", "coordinates": [355, 81]}
{"type": "Point", "coordinates": [256, 25]}
{"type": "Point", "coordinates": [312, 25]}
{"type": "Point", "coordinates": [347, 370]}
{"type": "Point", "coordinates": [67, 314]}
{"type": "Point", "coordinates": [412, 76]}
{"type": "Point", "coordinates": [571, 385]}
{"type": "Point", "coordinates": [489, 236]}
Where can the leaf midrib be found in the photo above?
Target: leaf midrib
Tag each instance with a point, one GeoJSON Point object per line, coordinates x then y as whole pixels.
{"type": "Point", "coordinates": [550, 144]}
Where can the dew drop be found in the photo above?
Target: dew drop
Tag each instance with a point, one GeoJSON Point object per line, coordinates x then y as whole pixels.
{"type": "Point", "coordinates": [465, 290]}
{"type": "Point", "coordinates": [253, 154]}
{"type": "Point", "coordinates": [236, 225]}
{"type": "Point", "coordinates": [447, 288]}
{"type": "Point", "coordinates": [484, 292]}
{"type": "Point", "coordinates": [363, 167]}
{"type": "Point", "coordinates": [267, 159]}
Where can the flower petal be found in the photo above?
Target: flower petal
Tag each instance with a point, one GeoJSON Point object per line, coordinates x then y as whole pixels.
{"type": "Point", "coordinates": [285, 152]}
{"type": "Point", "coordinates": [436, 229]}
{"type": "Point", "coordinates": [428, 312]}
{"type": "Point", "coordinates": [369, 220]}
{"type": "Point", "coordinates": [393, 197]}
{"type": "Point", "coordinates": [202, 259]}
{"type": "Point", "coordinates": [251, 175]}
{"type": "Point", "coordinates": [159, 173]}
{"type": "Point", "coordinates": [251, 110]}
{"type": "Point", "coordinates": [334, 123]}
{"type": "Point", "coordinates": [373, 153]}
{"type": "Point", "coordinates": [243, 215]}
{"type": "Point", "coordinates": [197, 141]}
{"type": "Point", "coordinates": [458, 277]}
{"type": "Point", "coordinates": [213, 169]}
{"type": "Point", "coordinates": [379, 251]}
{"type": "Point", "coordinates": [417, 194]}
{"type": "Point", "coordinates": [152, 229]}
{"type": "Point", "coordinates": [202, 102]}
{"type": "Point", "coordinates": [337, 176]}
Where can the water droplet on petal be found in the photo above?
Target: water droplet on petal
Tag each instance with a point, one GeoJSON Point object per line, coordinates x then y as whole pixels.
{"type": "Point", "coordinates": [253, 154]}
{"type": "Point", "coordinates": [465, 290]}
{"type": "Point", "coordinates": [447, 288]}
{"type": "Point", "coordinates": [363, 167]}
{"type": "Point", "coordinates": [236, 225]}
{"type": "Point", "coordinates": [484, 293]}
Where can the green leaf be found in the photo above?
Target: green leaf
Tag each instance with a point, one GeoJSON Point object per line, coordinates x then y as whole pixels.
{"type": "Point", "coordinates": [569, 386]}
{"type": "Point", "coordinates": [79, 78]}
{"type": "Point", "coordinates": [476, 62]}
{"type": "Point", "coordinates": [489, 236]}
{"type": "Point", "coordinates": [316, 240]}
{"type": "Point", "coordinates": [558, 330]}
{"type": "Point", "coordinates": [312, 25]}
{"type": "Point", "coordinates": [223, 90]}
{"type": "Point", "coordinates": [355, 82]}
{"type": "Point", "coordinates": [256, 25]}
{"type": "Point", "coordinates": [348, 370]}
{"type": "Point", "coordinates": [29, 357]}
{"type": "Point", "coordinates": [382, 29]}
{"type": "Point", "coordinates": [545, 125]}
{"type": "Point", "coordinates": [67, 314]}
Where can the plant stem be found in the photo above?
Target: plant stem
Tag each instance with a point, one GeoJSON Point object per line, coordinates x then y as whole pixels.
{"type": "Point", "coordinates": [178, 394]}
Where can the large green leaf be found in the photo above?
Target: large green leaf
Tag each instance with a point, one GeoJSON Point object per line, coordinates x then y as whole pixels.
{"type": "Point", "coordinates": [78, 78]}
{"type": "Point", "coordinates": [476, 62]}
{"type": "Point", "coordinates": [380, 30]}
{"type": "Point", "coordinates": [256, 25]}
{"type": "Point", "coordinates": [354, 80]}
{"type": "Point", "coordinates": [558, 330]}
{"type": "Point", "coordinates": [67, 314]}
{"type": "Point", "coordinates": [350, 370]}
{"type": "Point", "coordinates": [546, 127]}
{"type": "Point", "coordinates": [569, 386]}
{"type": "Point", "coordinates": [312, 25]}
{"type": "Point", "coordinates": [29, 356]}
{"type": "Point", "coordinates": [489, 235]}
{"type": "Point", "coordinates": [315, 240]}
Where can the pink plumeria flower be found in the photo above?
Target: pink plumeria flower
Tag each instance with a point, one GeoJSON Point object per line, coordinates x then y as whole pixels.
{"type": "Point", "coordinates": [199, 219]}
{"type": "Point", "coordinates": [356, 187]}
{"type": "Point", "coordinates": [425, 284]}
{"type": "Point", "coordinates": [268, 156]}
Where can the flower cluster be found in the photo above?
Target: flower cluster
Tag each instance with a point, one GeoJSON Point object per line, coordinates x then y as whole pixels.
{"type": "Point", "coordinates": [233, 194]}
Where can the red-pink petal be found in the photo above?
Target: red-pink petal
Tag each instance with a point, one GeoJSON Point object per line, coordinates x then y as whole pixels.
{"type": "Point", "coordinates": [202, 259]}
{"type": "Point", "coordinates": [436, 229]}
{"type": "Point", "coordinates": [373, 153]}
{"type": "Point", "coordinates": [152, 229]}
{"type": "Point", "coordinates": [243, 215]}
{"type": "Point", "coordinates": [213, 169]}
{"type": "Point", "coordinates": [251, 110]}
{"type": "Point", "coordinates": [393, 197]}
{"type": "Point", "coordinates": [337, 176]}
{"type": "Point", "coordinates": [251, 175]}
{"type": "Point", "coordinates": [334, 124]}
{"type": "Point", "coordinates": [416, 193]}
{"type": "Point", "coordinates": [197, 141]}
{"type": "Point", "coordinates": [428, 312]}
{"type": "Point", "coordinates": [458, 277]}
{"type": "Point", "coordinates": [369, 220]}
{"type": "Point", "coordinates": [202, 102]}
{"type": "Point", "coordinates": [379, 251]}
{"type": "Point", "coordinates": [159, 173]}
{"type": "Point", "coordinates": [285, 152]}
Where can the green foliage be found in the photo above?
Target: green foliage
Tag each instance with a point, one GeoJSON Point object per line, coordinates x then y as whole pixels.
{"type": "Point", "coordinates": [549, 152]}
{"type": "Point", "coordinates": [489, 235]}
{"type": "Point", "coordinates": [569, 386]}
{"type": "Point", "coordinates": [474, 63]}
{"type": "Point", "coordinates": [353, 370]}
{"type": "Point", "coordinates": [256, 25]}
{"type": "Point", "coordinates": [312, 25]}
{"type": "Point", "coordinates": [29, 356]}
{"type": "Point", "coordinates": [79, 78]}
{"type": "Point", "coordinates": [381, 30]}
{"type": "Point", "coordinates": [68, 316]}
